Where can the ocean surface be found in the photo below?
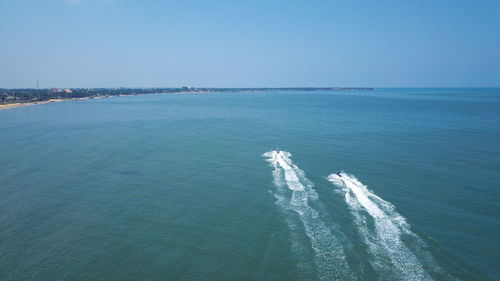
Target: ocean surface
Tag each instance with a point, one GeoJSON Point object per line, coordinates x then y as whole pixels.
{"type": "Point", "coordinates": [390, 184]}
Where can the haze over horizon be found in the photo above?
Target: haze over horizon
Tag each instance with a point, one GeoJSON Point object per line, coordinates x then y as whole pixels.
{"type": "Point", "coordinates": [120, 43]}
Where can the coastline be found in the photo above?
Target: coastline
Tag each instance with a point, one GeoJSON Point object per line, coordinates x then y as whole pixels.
{"type": "Point", "coordinates": [22, 104]}
{"type": "Point", "coordinates": [12, 105]}
{"type": "Point", "coordinates": [172, 91]}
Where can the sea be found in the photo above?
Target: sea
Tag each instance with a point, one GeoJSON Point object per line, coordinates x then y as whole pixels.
{"type": "Point", "coordinates": [389, 184]}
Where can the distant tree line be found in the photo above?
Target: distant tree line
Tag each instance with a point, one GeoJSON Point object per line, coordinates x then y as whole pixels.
{"type": "Point", "coordinates": [33, 95]}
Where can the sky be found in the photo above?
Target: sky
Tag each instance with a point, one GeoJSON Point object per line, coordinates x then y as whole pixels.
{"type": "Point", "coordinates": [292, 43]}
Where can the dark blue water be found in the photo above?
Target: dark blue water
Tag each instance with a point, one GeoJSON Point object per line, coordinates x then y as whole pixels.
{"type": "Point", "coordinates": [176, 187]}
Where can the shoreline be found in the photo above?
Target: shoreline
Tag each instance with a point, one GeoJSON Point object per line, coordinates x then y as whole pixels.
{"type": "Point", "coordinates": [22, 104]}
{"type": "Point", "coordinates": [197, 91]}
{"type": "Point", "coordinates": [13, 105]}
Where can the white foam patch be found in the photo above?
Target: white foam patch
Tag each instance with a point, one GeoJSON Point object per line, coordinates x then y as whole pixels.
{"type": "Point", "coordinates": [329, 257]}
{"type": "Point", "coordinates": [384, 240]}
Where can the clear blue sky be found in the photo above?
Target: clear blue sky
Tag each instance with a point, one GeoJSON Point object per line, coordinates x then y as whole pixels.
{"type": "Point", "coordinates": [112, 43]}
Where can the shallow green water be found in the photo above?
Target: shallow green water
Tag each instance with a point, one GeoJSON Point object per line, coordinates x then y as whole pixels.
{"type": "Point", "coordinates": [176, 187]}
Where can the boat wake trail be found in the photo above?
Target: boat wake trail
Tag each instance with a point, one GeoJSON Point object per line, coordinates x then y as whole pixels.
{"type": "Point", "coordinates": [397, 252]}
{"type": "Point", "coordinates": [294, 195]}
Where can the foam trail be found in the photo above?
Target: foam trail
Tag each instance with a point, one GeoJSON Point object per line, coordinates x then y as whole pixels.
{"type": "Point", "coordinates": [384, 241]}
{"type": "Point", "coordinates": [329, 257]}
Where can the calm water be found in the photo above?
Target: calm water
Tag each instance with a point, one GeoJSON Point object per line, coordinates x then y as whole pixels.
{"type": "Point", "coordinates": [187, 187]}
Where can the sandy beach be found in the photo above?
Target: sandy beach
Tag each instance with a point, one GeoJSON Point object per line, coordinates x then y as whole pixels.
{"type": "Point", "coordinates": [12, 105]}
{"type": "Point", "coordinates": [19, 104]}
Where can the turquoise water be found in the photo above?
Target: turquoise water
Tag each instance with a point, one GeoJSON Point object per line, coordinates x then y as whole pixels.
{"type": "Point", "coordinates": [189, 187]}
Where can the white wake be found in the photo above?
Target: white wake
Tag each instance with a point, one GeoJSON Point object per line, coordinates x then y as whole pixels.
{"type": "Point", "coordinates": [329, 257]}
{"type": "Point", "coordinates": [384, 238]}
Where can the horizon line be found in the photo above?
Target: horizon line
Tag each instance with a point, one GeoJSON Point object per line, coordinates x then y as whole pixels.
{"type": "Point", "coordinates": [283, 87]}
